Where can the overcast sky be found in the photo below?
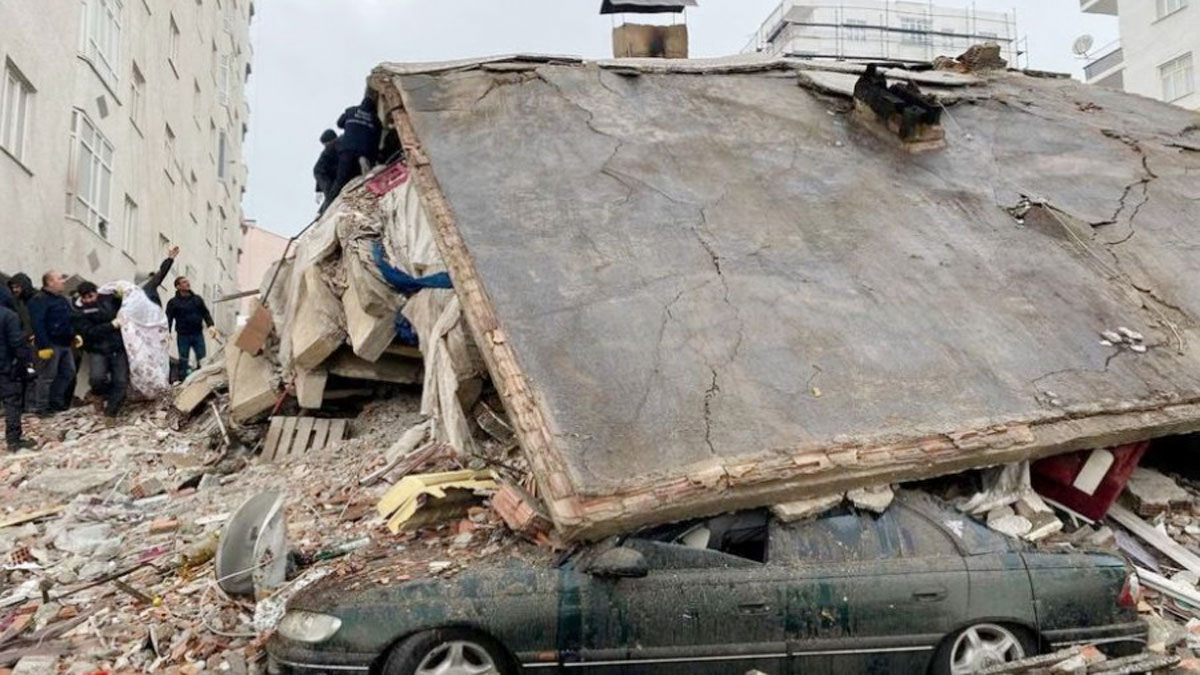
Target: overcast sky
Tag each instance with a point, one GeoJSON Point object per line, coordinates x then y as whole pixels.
{"type": "Point", "coordinates": [312, 57]}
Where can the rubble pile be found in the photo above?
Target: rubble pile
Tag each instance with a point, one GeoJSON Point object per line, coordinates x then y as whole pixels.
{"type": "Point", "coordinates": [109, 537]}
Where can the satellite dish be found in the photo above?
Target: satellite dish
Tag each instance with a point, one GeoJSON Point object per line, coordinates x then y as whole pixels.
{"type": "Point", "coordinates": [1083, 43]}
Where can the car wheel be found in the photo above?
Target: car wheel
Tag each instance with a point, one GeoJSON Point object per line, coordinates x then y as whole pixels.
{"type": "Point", "coordinates": [979, 646]}
{"type": "Point", "coordinates": [449, 651]}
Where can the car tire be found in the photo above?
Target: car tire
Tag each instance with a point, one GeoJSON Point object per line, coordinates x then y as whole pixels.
{"type": "Point", "coordinates": [452, 651]}
{"type": "Point", "coordinates": [980, 645]}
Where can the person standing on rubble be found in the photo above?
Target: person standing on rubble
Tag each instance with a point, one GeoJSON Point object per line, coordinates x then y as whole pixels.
{"type": "Point", "coordinates": [155, 279]}
{"type": "Point", "coordinates": [16, 368]}
{"type": "Point", "coordinates": [97, 323]}
{"type": "Point", "coordinates": [21, 287]}
{"type": "Point", "coordinates": [189, 315]}
{"type": "Point", "coordinates": [325, 170]}
{"type": "Point", "coordinates": [358, 146]}
{"type": "Point", "coordinates": [50, 316]}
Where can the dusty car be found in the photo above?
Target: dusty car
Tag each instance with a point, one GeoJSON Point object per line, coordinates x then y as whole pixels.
{"type": "Point", "coordinates": [920, 588]}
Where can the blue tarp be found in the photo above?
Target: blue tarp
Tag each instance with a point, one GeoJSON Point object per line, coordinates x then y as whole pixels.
{"type": "Point", "coordinates": [407, 285]}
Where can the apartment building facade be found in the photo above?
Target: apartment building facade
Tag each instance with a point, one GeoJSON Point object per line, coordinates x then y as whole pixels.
{"type": "Point", "coordinates": [888, 30]}
{"type": "Point", "coordinates": [121, 132]}
{"type": "Point", "coordinates": [1157, 53]}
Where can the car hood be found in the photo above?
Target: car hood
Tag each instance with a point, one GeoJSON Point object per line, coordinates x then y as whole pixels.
{"type": "Point", "coordinates": [391, 586]}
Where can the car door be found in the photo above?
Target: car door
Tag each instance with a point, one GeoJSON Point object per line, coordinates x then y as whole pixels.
{"type": "Point", "coordinates": [696, 612]}
{"type": "Point", "coordinates": [870, 594]}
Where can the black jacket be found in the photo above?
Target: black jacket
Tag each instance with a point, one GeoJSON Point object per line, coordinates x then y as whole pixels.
{"type": "Point", "coordinates": [152, 284]}
{"type": "Point", "coordinates": [188, 314]}
{"type": "Point", "coordinates": [362, 129]}
{"type": "Point", "coordinates": [14, 349]}
{"type": "Point", "coordinates": [50, 315]}
{"type": "Point", "coordinates": [22, 301]}
{"type": "Point", "coordinates": [94, 324]}
{"type": "Point", "coordinates": [325, 171]}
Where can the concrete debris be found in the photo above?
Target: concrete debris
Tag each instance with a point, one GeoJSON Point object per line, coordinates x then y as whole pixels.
{"type": "Point", "coordinates": [1150, 493]}
{"type": "Point", "coordinates": [791, 512]}
{"type": "Point", "coordinates": [981, 57]}
{"type": "Point", "coordinates": [874, 499]}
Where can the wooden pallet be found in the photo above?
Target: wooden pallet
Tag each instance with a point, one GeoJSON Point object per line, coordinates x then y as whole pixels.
{"type": "Point", "coordinates": [289, 436]}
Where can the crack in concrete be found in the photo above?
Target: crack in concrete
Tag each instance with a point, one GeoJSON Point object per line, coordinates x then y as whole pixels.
{"type": "Point", "coordinates": [713, 390]}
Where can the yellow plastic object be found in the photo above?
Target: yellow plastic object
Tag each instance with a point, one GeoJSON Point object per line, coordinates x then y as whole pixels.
{"type": "Point", "coordinates": [424, 499]}
{"type": "Point", "coordinates": [45, 354]}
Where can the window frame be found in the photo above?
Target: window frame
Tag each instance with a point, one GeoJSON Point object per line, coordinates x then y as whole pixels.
{"type": "Point", "coordinates": [129, 227]}
{"type": "Point", "coordinates": [1184, 66]}
{"type": "Point", "coordinates": [97, 203]}
{"type": "Point", "coordinates": [18, 129]}
{"type": "Point", "coordinates": [100, 38]}
{"type": "Point", "coordinates": [1163, 8]}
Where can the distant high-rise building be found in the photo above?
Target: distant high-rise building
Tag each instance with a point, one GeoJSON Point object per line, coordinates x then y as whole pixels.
{"type": "Point", "coordinates": [121, 130]}
{"type": "Point", "coordinates": [881, 30]}
{"type": "Point", "coordinates": [1156, 55]}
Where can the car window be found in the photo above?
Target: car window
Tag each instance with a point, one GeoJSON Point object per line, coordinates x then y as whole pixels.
{"type": "Point", "coordinates": [968, 534]}
{"type": "Point", "coordinates": [840, 535]}
{"type": "Point", "coordinates": [665, 556]}
{"type": "Point", "coordinates": [919, 538]}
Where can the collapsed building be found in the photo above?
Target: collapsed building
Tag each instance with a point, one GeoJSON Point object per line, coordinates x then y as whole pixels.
{"type": "Point", "coordinates": [696, 286]}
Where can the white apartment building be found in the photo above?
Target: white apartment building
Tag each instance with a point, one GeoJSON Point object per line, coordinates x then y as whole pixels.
{"type": "Point", "coordinates": [121, 131]}
{"type": "Point", "coordinates": [881, 30]}
{"type": "Point", "coordinates": [1156, 55]}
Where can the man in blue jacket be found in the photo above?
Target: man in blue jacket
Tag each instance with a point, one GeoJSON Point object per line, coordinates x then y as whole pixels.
{"type": "Point", "coordinates": [53, 335]}
{"type": "Point", "coordinates": [15, 366]}
{"type": "Point", "coordinates": [358, 144]}
{"type": "Point", "coordinates": [188, 315]}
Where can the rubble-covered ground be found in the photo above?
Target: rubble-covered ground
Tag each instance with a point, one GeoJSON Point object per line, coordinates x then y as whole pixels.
{"type": "Point", "coordinates": [109, 535]}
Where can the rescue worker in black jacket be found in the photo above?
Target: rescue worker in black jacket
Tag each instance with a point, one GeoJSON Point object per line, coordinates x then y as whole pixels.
{"type": "Point", "coordinates": [22, 292]}
{"type": "Point", "coordinates": [359, 144]}
{"type": "Point", "coordinates": [325, 170]}
{"type": "Point", "coordinates": [96, 321]}
{"type": "Point", "coordinates": [53, 336]}
{"type": "Point", "coordinates": [16, 368]}
{"type": "Point", "coordinates": [188, 314]}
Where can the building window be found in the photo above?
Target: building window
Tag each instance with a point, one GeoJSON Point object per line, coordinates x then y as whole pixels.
{"type": "Point", "coordinates": [173, 46]}
{"type": "Point", "coordinates": [223, 79]}
{"type": "Point", "coordinates": [92, 166]}
{"type": "Point", "coordinates": [1177, 78]}
{"type": "Point", "coordinates": [137, 98]}
{"type": "Point", "coordinates": [856, 30]}
{"type": "Point", "coordinates": [1166, 7]}
{"type": "Point", "coordinates": [16, 104]}
{"type": "Point", "coordinates": [169, 144]}
{"type": "Point", "coordinates": [129, 227]}
{"type": "Point", "coordinates": [222, 155]}
{"type": "Point", "coordinates": [101, 39]}
{"type": "Point", "coordinates": [915, 30]}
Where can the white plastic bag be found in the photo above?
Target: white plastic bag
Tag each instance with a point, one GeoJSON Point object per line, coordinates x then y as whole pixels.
{"type": "Point", "coordinates": [144, 331]}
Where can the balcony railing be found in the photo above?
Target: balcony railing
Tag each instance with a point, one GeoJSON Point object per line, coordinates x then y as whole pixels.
{"type": "Point", "coordinates": [1105, 63]}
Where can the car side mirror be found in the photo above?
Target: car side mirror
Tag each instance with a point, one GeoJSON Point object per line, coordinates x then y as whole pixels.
{"type": "Point", "coordinates": [619, 563]}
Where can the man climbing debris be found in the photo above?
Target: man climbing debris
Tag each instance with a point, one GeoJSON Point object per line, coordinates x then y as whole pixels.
{"type": "Point", "coordinates": [358, 146]}
{"type": "Point", "coordinates": [325, 170]}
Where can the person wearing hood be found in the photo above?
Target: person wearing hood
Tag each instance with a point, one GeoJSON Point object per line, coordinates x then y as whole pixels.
{"type": "Point", "coordinates": [16, 368]}
{"type": "Point", "coordinates": [188, 314]}
{"type": "Point", "coordinates": [97, 323]}
{"type": "Point", "coordinates": [325, 170]}
{"type": "Point", "coordinates": [21, 287]}
{"type": "Point", "coordinates": [155, 279]}
{"type": "Point", "coordinates": [358, 145]}
{"type": "Point", "coordinates": [53, 336]}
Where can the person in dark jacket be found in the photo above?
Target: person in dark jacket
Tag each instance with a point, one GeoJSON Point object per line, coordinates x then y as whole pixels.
{"type": "Point", "coordinates": [96, 321]}
{"type": "Point", "coordinates": [188, 314]}
{"type": "Point", "coordinates": [359, 143]}
{"type": "Point", "coordinates": [16, 366]}
{"type": "Point", "coordinates": [53, 335]}
{"type": "Point", "coordinates": [325, 170]}
{"type": "Point", "coordinates": [21, 287]}
{"type": "Point", "coordinates": [155, 279]}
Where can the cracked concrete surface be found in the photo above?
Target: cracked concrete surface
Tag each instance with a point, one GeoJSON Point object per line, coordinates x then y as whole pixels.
{"type": "Point", "coordinates": [671, 256]}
